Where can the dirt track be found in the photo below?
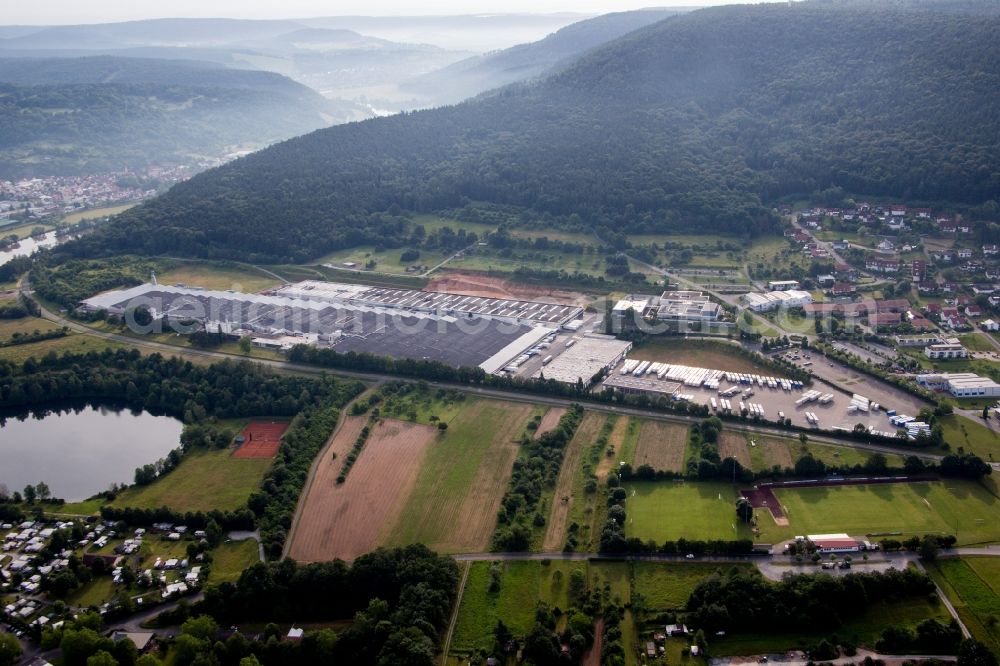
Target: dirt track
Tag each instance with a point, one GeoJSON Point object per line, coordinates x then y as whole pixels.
{"type": "Point", "coordinates": [550, 420]}
{"type": "Point", "coordinates": [345, 520]}
{"type": "Point", "coordinates": [555, 533]}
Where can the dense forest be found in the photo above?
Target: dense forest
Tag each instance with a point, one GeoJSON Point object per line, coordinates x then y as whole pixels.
{"type": "Point", "coordinates": [70, 116]}
{"type": "Point", "coordinates": [697, 121]}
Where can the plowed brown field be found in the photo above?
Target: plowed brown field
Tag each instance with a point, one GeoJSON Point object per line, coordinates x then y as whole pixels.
{"type": "Point", "coordinates": [346, 520]}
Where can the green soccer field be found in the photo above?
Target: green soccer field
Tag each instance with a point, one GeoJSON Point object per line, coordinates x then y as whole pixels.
{"type": "Point", "coordinates": [962, 508]}
{"type": "Point", "coordinates": [664, 510]}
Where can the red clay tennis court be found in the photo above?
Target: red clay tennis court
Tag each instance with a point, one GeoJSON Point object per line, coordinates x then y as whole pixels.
{"type": "Point", "coordinates": [260, 439]}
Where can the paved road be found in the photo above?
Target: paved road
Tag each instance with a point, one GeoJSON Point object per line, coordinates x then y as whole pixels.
{"type": "Point", "coordinates": [371, 377]}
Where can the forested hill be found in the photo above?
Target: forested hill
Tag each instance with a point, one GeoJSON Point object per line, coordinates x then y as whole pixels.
{"type": "Point", "coordinates": [472, 76]}
{"type": "Point", "coordinates": [68, 116]}
{"type": "Point", "coordinates": [687, 124]}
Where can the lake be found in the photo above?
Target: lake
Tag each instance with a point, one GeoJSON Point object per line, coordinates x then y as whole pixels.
{"type": "Point", "coordinates": [82, 452]}
{"type": "Point", "coordinates": [29, 246]}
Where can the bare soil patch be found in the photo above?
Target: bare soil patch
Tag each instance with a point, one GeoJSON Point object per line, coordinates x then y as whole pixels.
{"type": "Point", "coordinates": [345, 520]}
{"type": "Point", "coordinates": [734, 445]}
{"type": "Point", "coordinates": [562, 499]}
{"type": "Point", "coordinates": [661, 446]}
{"type": "Point", "coordinates": [471, 284]}
{"type": "Point", "coordinates": [550, 420]}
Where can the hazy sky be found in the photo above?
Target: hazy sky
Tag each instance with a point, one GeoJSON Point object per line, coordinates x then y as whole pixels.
{"type": "Point", "coordinates": [101, 11]}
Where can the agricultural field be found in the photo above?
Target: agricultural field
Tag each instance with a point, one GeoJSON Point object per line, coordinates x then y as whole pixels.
{"type": "Point", "coordinates": [94, 213]}
{"type": "Point", "coordinates": [770, 452]}
{"type": "Point", "coordinates": [662, 510]}
{"type": "Point", "coordinates": [204, 480]}
{"type": "Point", "coordinates": [220, 278]}
{"type": "Point", "coordinates": [973, 586]}
{"type": "Point", "coordinates": [735, 445]}
{"type": "Point", "coordinates": [522, 584]}
{"type": "Point", "coordinates": [696, 353]}
{"type": "Point", "coordinates": [345, 520]}
{"type": "Point", "coordinates": [570, 497]}
{"type": "Point", "coordinates": [962, 508]}
{"type": "Point", "coordinates": [564, 236]}
{"type": "Point", "coordinates": [662, 446]}
{"type": "Point", "coordinates": [454, 504]}
{"type": "Point", "coordinates": [24, 325]}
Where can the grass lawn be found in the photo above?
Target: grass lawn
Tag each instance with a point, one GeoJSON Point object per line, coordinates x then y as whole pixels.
{"type": "Point", "coordinates": [8, 327]}
{"type": "Point", "coordinates": [230, 559]}
{"type": "Point", "coordinates": [472, 459]}
{"type": "Point", "coordinates": [219, 278]}
{"type": "Point", "coordinates": [485, 259]}
{"type": "Point", "coordinates": [626, 452]}
{"type": "Point", "coordinates": [94, 593]}
{"type": "Point", "coordinates": [971, 435]}
{"type": "Point", "coordinates": [77, 343]}
{"type": "Point", "coordinates": [973, 586]}
{"type": "Point", "coordinates": [88, 507]}
{"type": "Point", "coordinates": [436, 222]}
{"type": "Point", "coordinates": [667, 586]}
{"type": "Point", "coordinates": [962, 508]}
{"type": "Point", "coordinates": [420, 406]}
{"type": "Point", "coordinates": [92, 213]}
{"type": "Point", "coordinates": [840, 455]}
{"type": "Point", "coordinates": [863, 629]}
{"type": "Point", "coordinates": [386, 261]}
{"type": "Point", "coordinates": [693, 510]}
{"type": "Point", "coordinates": [976, 342]}
{"type": "Point", "coordinates": [564, 236]}
{"type": "Point", "coordinates": [204, 480]}
{"type": "Point", "coordinates": [696, 353]}
{"type": "Point", "coordinates": [522, 584]}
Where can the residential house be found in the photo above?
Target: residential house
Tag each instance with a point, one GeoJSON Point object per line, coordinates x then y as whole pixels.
{"type": "Point", "coordinates": [928, 288]}
{"type": "Point", "coordinates": [921, 324]}
{"type": "Point", "coordinates": [964, 253]}
{"type": "Point", "coordinates": [882, 265]}
{"type": "Point", "coordinates": [991, 250]}
{"type": "Point", "coordinates": [990, 325]}
{"type": "Point", "coordinates": [897, 210]}
{"type": "Point", "coordinates": [842, 244]}
{"type": "Point", "coordinates": [918, 270]}
{"type": "Point", "coordinates": [923, 213]}
{"type": "Point", "coordinates": [846, 273]}
{"type": "Point", "coordinates": [933, 309]}
{"type": "Point", "coordinates": [886, 245]}
{"type": "Point", "coordinates": [943, 256]}
{"type": "Point", "coordinates": [843, 289]}
{"type": "Point", "coordinates": [894, 305]}
{"type": "Point", "coordinates": [948, 227]}
{"type": "Point", "coordinates": [973, 310]}
{"type": "Point", "coordinates": [983, 289]}
{"type": "Point", "coordinates": [884, 320]}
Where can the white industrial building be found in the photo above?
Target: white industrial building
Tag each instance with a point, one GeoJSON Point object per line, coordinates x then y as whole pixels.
{"type": "Point", "coordinates": [589, 355]}
{"type": "Point", "coordinates": [774, 300]}
{"type": "Point", "coordinates": [945, 350]}
{"type": "Point", "coordinates": [961, 384]}
{"type": "Point", "coordinates": [686, 306]}
{"type": "Point", "coordinates": [782, 285]}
